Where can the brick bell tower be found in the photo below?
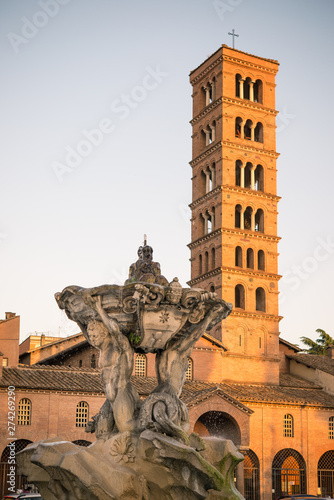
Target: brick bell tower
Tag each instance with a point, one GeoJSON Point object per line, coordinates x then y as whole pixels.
{"type": "Point", "coordinates": [234, 206]}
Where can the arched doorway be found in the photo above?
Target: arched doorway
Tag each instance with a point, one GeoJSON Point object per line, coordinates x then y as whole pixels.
{"type": "Point", "coordinates": [326, 473]}
{"type": "Point", "coordinates": [251, 476]}
{"type": "Point", "coordinates": [218, 424]}
{"type": "Point", "coordinates": [288, 473]}
{"type": "Point", "coordinates": [8, 454]}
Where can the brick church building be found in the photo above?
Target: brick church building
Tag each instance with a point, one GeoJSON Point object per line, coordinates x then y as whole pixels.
{"type": "Point", "coordinates": [244, 382]}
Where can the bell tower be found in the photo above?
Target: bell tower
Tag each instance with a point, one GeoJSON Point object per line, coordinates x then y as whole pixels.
{"type": "Point", "coordinates": [234, 206]}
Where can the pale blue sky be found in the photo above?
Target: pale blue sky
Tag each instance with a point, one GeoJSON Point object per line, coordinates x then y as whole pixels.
{"type": "Point", "coordinates": [71, 73]}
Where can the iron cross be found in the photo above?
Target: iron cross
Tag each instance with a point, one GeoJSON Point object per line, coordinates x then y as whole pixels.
{"type": "Point", "coordinates": [233, 35]}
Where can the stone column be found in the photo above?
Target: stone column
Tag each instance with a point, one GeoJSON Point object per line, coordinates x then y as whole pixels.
{"type": "Point", "coordinates": [213, 90]}
{"type": "Point", "coordinates": [242, 176]}
{"type": "Point", "coordinates": [252, 132]}
{"type": "Point", "coordinates": [213, 177]}
{"type": "Point", "coordinates": [207, 137]}
{"type": "Point", "coordinates": [213, 133]}
{"type": "Point", "coordinates": [205, 217]}
{"type": "Point", "coordinates": [241, 88]}
{"type": "Point", "coordinates": [253, 177]}
{"type": "Point", "coordinates": [242, 219]}
{"type": "Point", "coordinates": [251, 90]}
{"type": "Point", "coordinates": [207, 96]}
{"type": "Point", "coordinates": [212, 215]}
{"type": "Point", "coordinates": [253, 221]}
{"type": "Point", "coordinates": [242, 131]}
{"type": "Point", "coordinates": [207, 181]}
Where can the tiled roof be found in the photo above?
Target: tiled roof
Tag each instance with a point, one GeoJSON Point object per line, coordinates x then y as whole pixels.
{"type": "Point", "coordinates": [323, 363]}
{"type": "Point", "coordinates": [288, 344]}
{"type": "Point", "coordinates": [292, 390]}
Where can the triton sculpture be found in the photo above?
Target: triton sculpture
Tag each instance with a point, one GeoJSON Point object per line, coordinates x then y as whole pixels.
{"type": "Point", "coordinates": [142, 449]}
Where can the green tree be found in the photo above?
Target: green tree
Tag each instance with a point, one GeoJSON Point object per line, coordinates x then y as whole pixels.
{"type": "Point", "coordinates": [318, 346]}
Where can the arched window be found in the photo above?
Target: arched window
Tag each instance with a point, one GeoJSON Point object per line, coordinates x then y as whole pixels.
{"type": "Point", "coordinates": [239, 297]}
{"type": "Point", "coordinates": [260, 260]}
{"type": "Point", "coordinates": [238, 209]}
{"type": "Point", "coordinates": [258, 91]}
{"type": "Point", "coordinates": [213, 258]}
{"type": "Point", "coordinates": [206, 262]}
{"type": "Point", "coordinates": [288, 425]}
{"type": "Point", "coordinates": [140, 365]}
{"type": "Point", "coordinates": [260, 299]}
{"type": "Point", "coordinates": [238, 165]}
{"type": "Point", "coordinates": [238, 127]}
{"type": "Point", "coordinates": [212, 289]}
{"type": "Point", "coordinates": [288, 473]}
{"type": "Point", "coordinates": [248, 176]}
{"type": "Point", "coordinates": [80, 363]}
{"type": "Point", "coordinates": [258, 132]}
{"type": "Point", "coordinates": [248, 129]}
{"type": "Point", "coordinates": [238, 257]}
{"type": "Point", "coordinates": [259, 221]}
{"type": "Point", "coordinates": [5, 467]}
{"type": "Point", "coordinates": [251, 476]}
{"type": "Point", "coordinates": [326, 473]}
{"type": "Point", "coordinates": [259, 178]}
{"type": "Point", "coordinates": [24, 412]}
{"type": "Point", "coordinates": [247, 88]}
{"type": "Point", "coordinates": [200, 264]}
{"type": "Point", "coordinates": [93, 361]}
{"type": "Point", "coordinates": [202, 184]}
{"type": "Point", "coordinates": [331, 428]}
{"type": "Point", "coordinates": [250, 258]}
{"type": "Point", "coordinates": [189, 372]}
{"type": "Point", "coordinates": [81, 416]}
{"type": "Point", "coordinates": [248, 218]}
{"type": "Point", "coordinates": [238, 77]}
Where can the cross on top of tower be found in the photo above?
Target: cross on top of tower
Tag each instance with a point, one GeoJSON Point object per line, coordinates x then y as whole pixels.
{"type": "Point", "coordinates": [233, 35]}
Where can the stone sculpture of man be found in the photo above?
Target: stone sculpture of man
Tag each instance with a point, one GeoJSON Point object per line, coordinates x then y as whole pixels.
{"type": "Point", "coordinates": [116, 362]}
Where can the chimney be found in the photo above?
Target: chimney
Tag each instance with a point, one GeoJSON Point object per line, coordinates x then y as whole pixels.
{"type": "Point", "coordinates": [10, 315]}
{"type": "Point", "coordinates": [42, 339]}
{"type": "Point", "coordinates": [330, 351]}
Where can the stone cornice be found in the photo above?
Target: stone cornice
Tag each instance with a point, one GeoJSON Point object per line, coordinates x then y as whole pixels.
{"type": "Point", "coordinates": [231, 144]}
{"type": "Point", "coordinates": [245, 103]}
{"type": "Point", "coordinates": [245, 356]}
{"type": "Point", "coordinates": [204, 238]}
{"type": "Point", "coordinates": [206, 153]}
{"type": "Point", "coordinates": [242, 62]}
{"type": "Point", "coordinates": [206, 110]}
{"type": "Point", "coordinates": [251, 234]}
{"type": "Point", "coordinates": [257, 315]}
{"type": "Point", "coordinates": [251, 272]}
{"type": "Point", "coordinates": [241, 232]}
{"type": "Point", "coordinates": [205, 197]}
{"type": "Point", "coordinates": [205, 276]}
{"type": "Point", "coordinates": [232, 270]}
{"type": "Point", "coordinates": [250, 192]}
{"type": "Point", "coordinates": [206, 70]}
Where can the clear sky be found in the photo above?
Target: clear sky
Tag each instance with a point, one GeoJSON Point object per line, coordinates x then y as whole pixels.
{"type": "Point", "coordinates": [116, 72]}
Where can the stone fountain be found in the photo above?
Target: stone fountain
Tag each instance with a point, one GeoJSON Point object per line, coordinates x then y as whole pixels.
{"type": "Point", "coordinates": [142, 448]}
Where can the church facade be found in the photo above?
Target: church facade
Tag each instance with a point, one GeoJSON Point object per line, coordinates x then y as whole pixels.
{"type": "Point", "coordinates": [244, 382]}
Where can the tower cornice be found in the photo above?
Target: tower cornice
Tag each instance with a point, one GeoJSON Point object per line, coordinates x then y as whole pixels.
{"type": "Point", "coordinates": [251, 273]}
{"type": "Point", "coordinates": [248, 104]}
{"type": "Point", "coordinates": [207, 110]}
{"type": "Point", "coordinates": [253, 149]}
{"type": "Point", "coordinates": [205, 154]}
